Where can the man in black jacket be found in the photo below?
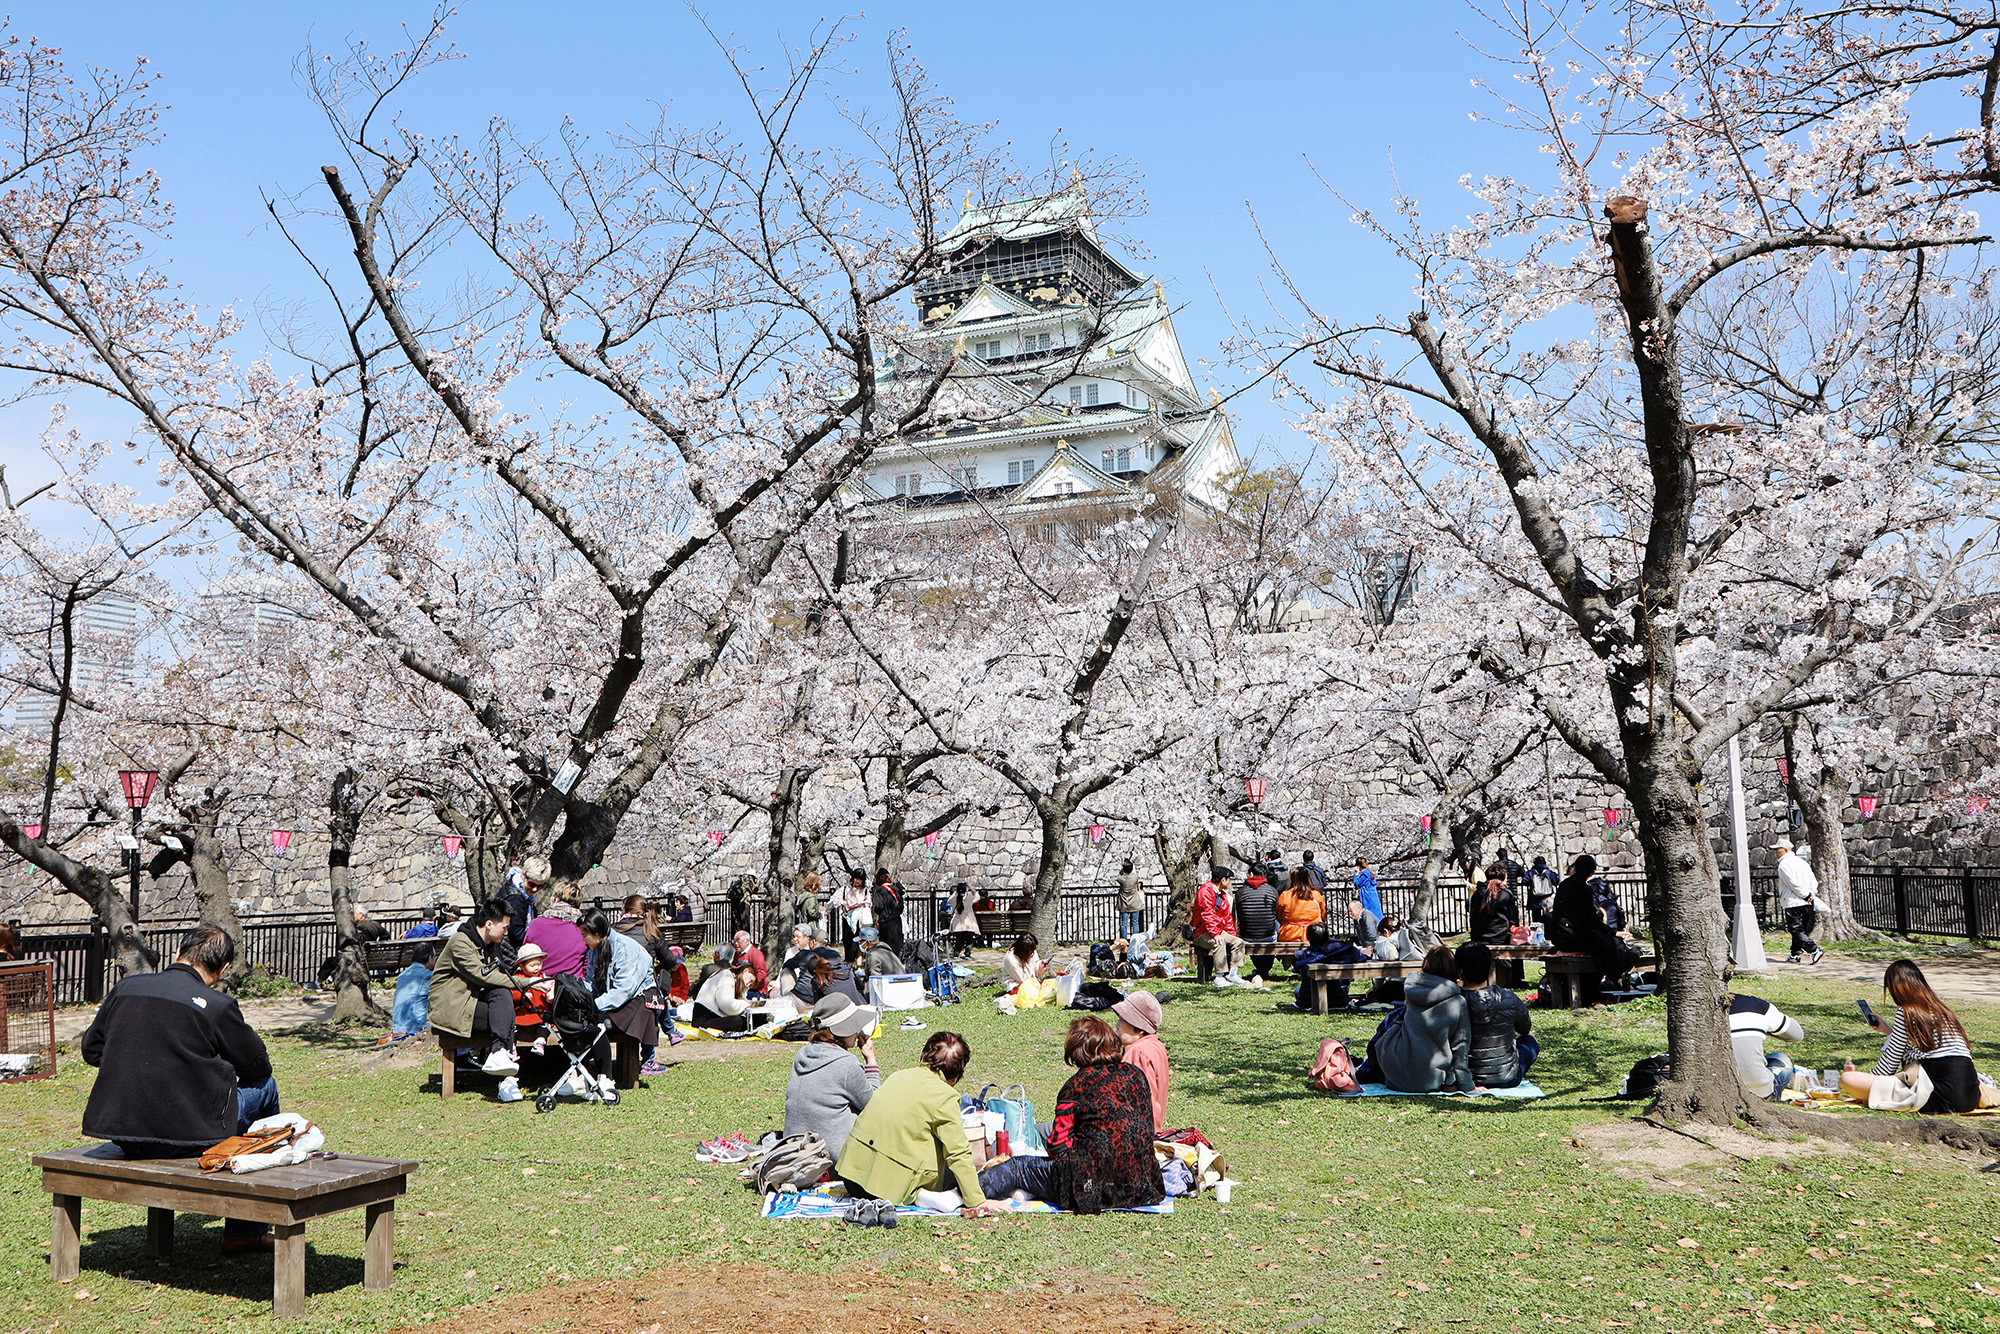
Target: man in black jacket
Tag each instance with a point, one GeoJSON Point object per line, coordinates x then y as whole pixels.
{"type": "Point", "coordinates": [178, 1068]}
{"type": "Point", "coordinates": [1503, 1042]}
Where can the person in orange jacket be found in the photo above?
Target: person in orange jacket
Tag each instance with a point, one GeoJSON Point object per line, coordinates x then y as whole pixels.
{"type": "Point", "coordinates": [1299, 906]}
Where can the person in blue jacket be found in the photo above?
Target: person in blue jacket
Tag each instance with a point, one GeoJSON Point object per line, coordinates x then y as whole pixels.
{"type": "Point", "coordinates": [621, 979]}
{"type": "Point", "coordinates": [1321, 947]}
{"type": "Point", "coordinates": [1364, 889]}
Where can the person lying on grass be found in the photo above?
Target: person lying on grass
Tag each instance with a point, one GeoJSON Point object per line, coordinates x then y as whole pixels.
{"type": "Point", "coordinates": [1101, 1152]}
{"type": "Point", "coordinates": [911, 1135]}
{"type": "Point", "coordinates": [1926, 1064]}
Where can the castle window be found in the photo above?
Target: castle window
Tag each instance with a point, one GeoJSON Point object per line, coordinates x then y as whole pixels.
{"type": "Point", "coordinates": [1033, 343]}
{"type": "Point", "coordinates": [909, 484]}
{"type": "Point", "coordinates": [1019, 471]}
{"type": "Point", "coordinates": [987, 351]}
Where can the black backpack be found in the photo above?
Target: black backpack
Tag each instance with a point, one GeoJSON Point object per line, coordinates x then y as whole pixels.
{"type": "Point", "coordinates": [1646, 1076]}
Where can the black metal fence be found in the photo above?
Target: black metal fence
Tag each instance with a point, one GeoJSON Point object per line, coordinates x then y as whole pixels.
{"type": "Point", "coordinates": [1961, 902]}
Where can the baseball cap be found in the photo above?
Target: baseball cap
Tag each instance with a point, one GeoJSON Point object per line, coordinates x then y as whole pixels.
{"type": "Point", "coordinates": [840, 1016]}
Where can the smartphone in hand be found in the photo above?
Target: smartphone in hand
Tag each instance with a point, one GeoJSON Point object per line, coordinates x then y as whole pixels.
{"type": "Point", "coordinates": [1866, 1013]}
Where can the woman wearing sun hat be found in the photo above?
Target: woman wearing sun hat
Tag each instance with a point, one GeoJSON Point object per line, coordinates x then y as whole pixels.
{"type": "Point", "coordinates": [830, 1084]}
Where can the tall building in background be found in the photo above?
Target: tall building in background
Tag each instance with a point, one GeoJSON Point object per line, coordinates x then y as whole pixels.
{"type": "Point", "coordinates": [104, 632]}
{"type": "Point", "coordinates": [1104, 408]}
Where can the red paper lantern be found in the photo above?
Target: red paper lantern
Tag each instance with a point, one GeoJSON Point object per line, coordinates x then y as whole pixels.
{"type": "Point", "coordinates": [138, 785]}
{"type": "Point", "coordinates": [1976, 805]}
{"type": "Point", "coordinates": [715, 837]}
{"type": "Point", "coordinates": [1784, 769]}
{"type": "Point", "coordinates": [1426, 822]}
{"type": "Point", "coordinates": [452, 843]}
{"type": "Point", "coordinates": [1867, 805]}
{"type": "Point", "coordinates": [1253, 788]}
{"type": "Point", "coordinates": [1097, 833]}
{"type": "Point", "coordinates": [281, 839]}
{"type": "Point", "coordinates": [35, 830]}
{"type": "Point", "coordinates": [930, 838]}
{"type": "Point", "coordinates": [1611, 815]}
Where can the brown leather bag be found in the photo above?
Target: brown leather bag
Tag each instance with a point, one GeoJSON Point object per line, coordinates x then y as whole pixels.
{"type": "Point", "coordinates": [217, 1158]}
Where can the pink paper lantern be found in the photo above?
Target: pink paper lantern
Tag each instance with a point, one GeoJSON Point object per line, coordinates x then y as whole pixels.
{"type": "Point", "coordinates": [1253, 788]}
{"type": "Point", "coordinates": [715, 837]}
{"type": "Point", "coordinates": [1426, 822]}
{"type": "Point", "coordinates": [1867, 805]}
{"type": "Point", "coordinates": [1976, 805]}
{"type": "Point", "coordinates": [32, 830]}
{"type": "Point", "coordinates": [281, 839]}
{"type": "Point", "coordinates": [930, 839]}
{"type": "Point", "coordinates": [1611, 815]}
{"type": "Point", "coordinates": [1784, 769]}
{"type": "Point", "coordinates": [1097, 833]}
{"type": "Point", "coordinates": [452, 844]}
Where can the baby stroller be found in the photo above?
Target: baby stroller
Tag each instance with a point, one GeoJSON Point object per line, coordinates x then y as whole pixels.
{"type": "Point", "coordinates": [579, 1027]}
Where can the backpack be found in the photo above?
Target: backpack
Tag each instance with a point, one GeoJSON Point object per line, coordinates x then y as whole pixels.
{"type": "Point", "coordinates": [1646, 1076]}
{"type": "Point", "coordinates": [1332, 1070]}
{"type": "Point", "coordinates": [796, 1162]}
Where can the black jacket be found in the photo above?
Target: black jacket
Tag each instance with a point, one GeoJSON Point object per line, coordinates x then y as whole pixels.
{"type": "Point", "coordinates": [1492, 914]}
{"type": "Point", "coordinates": [1499, 1020]}
{"type": "Point", "coordinates": [171, 1052]}
{"type": "Point", "coordinates": [1257, 911]}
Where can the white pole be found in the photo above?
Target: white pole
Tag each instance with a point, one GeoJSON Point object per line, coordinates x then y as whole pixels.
{"type": "Point", "coordinates": [1748, 946]}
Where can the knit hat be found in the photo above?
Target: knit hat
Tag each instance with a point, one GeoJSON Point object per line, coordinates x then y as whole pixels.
{"type": "Point", "coordinates": [1141, 1009]}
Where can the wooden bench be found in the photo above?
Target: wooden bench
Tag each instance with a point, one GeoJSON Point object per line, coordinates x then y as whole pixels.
{"type": "Point", "coordinates": [1321, 976]}
{"type": "Point", "coordinates": [383, 958]}
{"type": "Point", "coordinates": [1564, 976]}
{"type": "Point", "coordinates": [688, 935]}
{"type": "Point", "coordinates": [999, 926]}
{"type": "Point", "coordinates": [624, 1061]}
{"type": "Point", "coordinates": [285, 1197]}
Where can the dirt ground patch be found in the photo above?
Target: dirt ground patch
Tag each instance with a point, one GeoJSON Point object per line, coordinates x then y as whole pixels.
{"type": "Point", "coordinates": [714, 1301]}
{"type": "Point", "coordinates": [1645, 1152]}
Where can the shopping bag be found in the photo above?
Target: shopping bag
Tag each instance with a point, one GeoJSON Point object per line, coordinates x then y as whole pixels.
{"type": "Point", "coordinates": [897, 991]}
{"type": "Point", "coordinates": [1023, 1137]}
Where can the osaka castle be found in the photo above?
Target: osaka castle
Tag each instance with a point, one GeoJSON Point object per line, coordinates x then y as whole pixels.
{"type": "Point", "coordinates": [1088, 402]}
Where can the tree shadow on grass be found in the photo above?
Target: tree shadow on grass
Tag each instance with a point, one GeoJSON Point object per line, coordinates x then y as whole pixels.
{"type": "Point", "coordinates": [360, 1036]}
{"type": "Point", "coordinates": [198, 1264]}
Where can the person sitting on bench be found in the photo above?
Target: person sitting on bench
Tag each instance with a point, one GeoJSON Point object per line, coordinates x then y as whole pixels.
{"type": "Point", "coordinates": [471, 994]}
{"type": "Point", "coordinates": [1321, 947]}
{"type": "Point", "coordinates": [179, 1070]}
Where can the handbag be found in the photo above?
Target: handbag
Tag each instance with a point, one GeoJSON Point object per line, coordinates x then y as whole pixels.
{"type": "Point", "coordinates": [1333, 1069]}
{"type": "Point", "coordinates": [1023, 1136]}
{"type": "Point", "coordinates": [216, 1159]}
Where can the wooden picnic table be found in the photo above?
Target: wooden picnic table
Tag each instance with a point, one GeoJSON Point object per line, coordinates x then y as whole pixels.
{"type": "Point", "coordinates": [285, 1197]}
{"type": "Point", "coordinates": [1563, 975]}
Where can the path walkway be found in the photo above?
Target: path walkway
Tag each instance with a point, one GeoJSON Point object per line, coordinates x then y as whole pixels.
{"type": "Point", "coordinates": [264, 1015]}
{"type": "Point", "coordinates": [1973, 977]}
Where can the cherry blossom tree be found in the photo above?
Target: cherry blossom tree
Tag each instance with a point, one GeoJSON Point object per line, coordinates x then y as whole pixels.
{"type": "Point", "coordinates": [1663, 556]}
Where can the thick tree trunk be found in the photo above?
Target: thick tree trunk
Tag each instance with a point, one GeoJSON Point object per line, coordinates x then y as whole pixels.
{"type": "Point", "coordinates": [208, 868]}
{"type": "Point", "coordinates": [347, 801]}
{"type": "Point", "coordinates": [1820, 791]}
{"type": "Point", "coordinates": [1053, 816]}
{"type": "Point", "coordinates": [784, 849]}
{"type": "Point", "coordinates": [104, 895]}
{"type": "Point", "coordinates": [1184, 869]}
{"type": "Point", "coordinates": [1693, 938]}
{"type": "Point", "coordinates": [1436, 855]}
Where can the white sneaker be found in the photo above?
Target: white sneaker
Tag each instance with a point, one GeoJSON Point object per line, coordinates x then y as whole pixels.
{"type": "Point", "coordinates": [501, 1062]}
{"type": "Point", "coordinates": [1223, 984]}
{"type": "Point", "coordinates": [510, 1089]}
{"type": "Point", "coordinates": [608, 1090]}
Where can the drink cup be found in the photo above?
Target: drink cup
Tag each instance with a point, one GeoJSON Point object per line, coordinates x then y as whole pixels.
{"type": "Point", "coordinates": [1001, 1149]}
{"type": "Point", "coordinates": [1222, 1189]}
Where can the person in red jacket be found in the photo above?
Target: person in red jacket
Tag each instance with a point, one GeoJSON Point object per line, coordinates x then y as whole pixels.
{"type": "Point", "coordinates": [1214, 927]}
{"type": "Point", "coordinates": [750, 954]}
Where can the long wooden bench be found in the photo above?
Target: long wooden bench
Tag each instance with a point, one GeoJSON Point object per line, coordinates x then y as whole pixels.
{"type": "Point", "coordinates": [285, 1197]}
{"type": "Point", "coordinates": [385, 958]}
{"type": "Point", "coordinates": [1564, 976]}
{"type": "Point", "coordinates": [1321, 976]}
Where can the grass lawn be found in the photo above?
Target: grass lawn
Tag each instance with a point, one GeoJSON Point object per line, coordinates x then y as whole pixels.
{"type": "Point", "coordinates": [1373, 1214]}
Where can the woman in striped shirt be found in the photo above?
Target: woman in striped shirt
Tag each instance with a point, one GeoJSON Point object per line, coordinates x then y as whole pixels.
{"type": "Point", "coordinates": [1926, 1065]}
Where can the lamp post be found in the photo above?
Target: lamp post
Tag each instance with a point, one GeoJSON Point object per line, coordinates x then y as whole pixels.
{"type": "Point", "coordinates": [138, 785]}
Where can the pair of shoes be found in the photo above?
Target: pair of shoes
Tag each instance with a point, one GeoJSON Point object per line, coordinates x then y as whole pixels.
{"type": "Point", "coordinates": [500, 1061]}
{"type": "Point", "coordinates": [1793, 958]}
{"type": "Point", "coordinates": [510, 1089]}
{"type": "Point", "coordinates": [1817, 955]}
{"type": "Point", "coordinates": [1222, 984]}
{"type": "Point", "coordinates": [913, 1022]}
{"type": "Point", "coordinates": [259, 1243]}
{"type": "Point", "coordinates": [1256, 984]}
{"type": "Point", "coordinates": [652, 1068]}
{"type": "Point", "coordinates": [728, 1149]}
{"type": "Point", "coordinates": [871, 1213]}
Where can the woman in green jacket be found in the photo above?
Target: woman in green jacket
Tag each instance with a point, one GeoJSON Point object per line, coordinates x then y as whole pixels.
{"type": "Point", "coordinates": [911, 1135]}
{"type": "Point", "coordinates": [470, 992]}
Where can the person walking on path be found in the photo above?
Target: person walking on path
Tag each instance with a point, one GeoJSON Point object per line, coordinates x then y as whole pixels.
{"type": "Point", "coordinates": [1798, 895]}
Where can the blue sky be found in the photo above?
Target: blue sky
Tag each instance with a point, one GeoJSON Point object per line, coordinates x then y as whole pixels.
{"type": "Point", "coordinates": [1217, 105]}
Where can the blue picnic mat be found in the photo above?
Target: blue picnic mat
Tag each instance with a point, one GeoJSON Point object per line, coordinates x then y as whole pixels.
{"type": "Point", "coordinates": [1522, 1090]}
{"type": "Point", "coordinates": [818, 1205]}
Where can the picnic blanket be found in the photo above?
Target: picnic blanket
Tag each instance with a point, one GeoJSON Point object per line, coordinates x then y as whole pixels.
{"type": "Point", "coordinates": [819, 1205]}
{"type": "Point", "coordinates": [1522, 1090]}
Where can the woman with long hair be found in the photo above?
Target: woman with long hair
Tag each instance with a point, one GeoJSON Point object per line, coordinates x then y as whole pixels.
{"type": "Point", "coordinates": [621, 978]}
{"type": "Point", "coordinates": [964, 919]}
{"type": "Point", "coordinates": [1022, 963]}
{"type": "Point", "coordinates": [1926, 1065]}
{"type": "Point", "coordinates": [639, 922]}
{"type": "Point", "coordinates": [1577, 926]}
{"type": "Point", "coordinates": [1299, 906]}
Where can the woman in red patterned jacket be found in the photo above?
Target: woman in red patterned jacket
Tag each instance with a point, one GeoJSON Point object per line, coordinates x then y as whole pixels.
{"type": "Point", "coordinates": [1101, 1152]}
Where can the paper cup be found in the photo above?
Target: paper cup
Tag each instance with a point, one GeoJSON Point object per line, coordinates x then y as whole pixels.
{"type": "Point", "coordinates": [1222, 1190]}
